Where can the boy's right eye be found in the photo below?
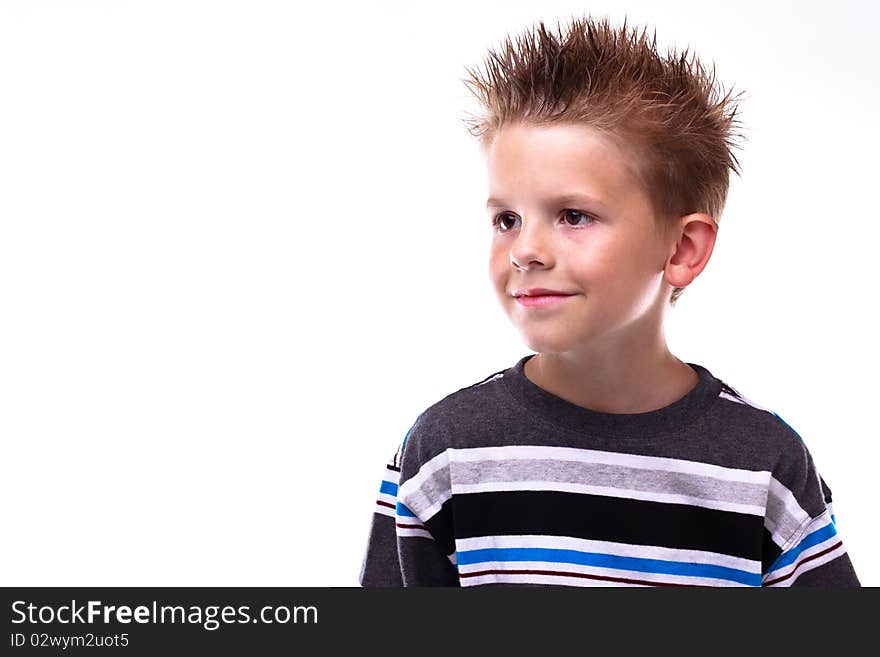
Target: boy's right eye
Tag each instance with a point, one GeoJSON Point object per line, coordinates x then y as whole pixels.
{"type": "Point", "coordinates": [498, 218]}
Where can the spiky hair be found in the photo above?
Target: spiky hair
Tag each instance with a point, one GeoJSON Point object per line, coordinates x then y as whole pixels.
{"type": "Point", "coordinates": [664, 112]}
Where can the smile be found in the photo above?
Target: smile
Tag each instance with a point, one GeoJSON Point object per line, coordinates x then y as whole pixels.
{"type": "Point", "coordinates": [543, 301]}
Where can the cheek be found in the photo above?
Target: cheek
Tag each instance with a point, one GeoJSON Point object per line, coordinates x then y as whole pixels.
{"type": "Point", "coordinates": [607, 258]}
{"type": "Point", "coordinates": [592, 264]}
{"type": "Point", "coordinates": [499, 264]}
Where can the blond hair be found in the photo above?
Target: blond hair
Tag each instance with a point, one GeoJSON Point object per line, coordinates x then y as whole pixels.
{"type": "Point", "coordinates": [663, 111]}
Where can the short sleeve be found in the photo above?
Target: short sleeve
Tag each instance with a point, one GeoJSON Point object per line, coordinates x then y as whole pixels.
{"type": "Point", "coordinates": [381, 565]}
{"type": "Point", "coordinates": [401, 549]}
{"type": "Point", "coordinates": [802, 544]}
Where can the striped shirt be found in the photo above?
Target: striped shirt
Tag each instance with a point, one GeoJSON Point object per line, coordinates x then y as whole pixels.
{"type": "Point", "coordinates": [504, 483]}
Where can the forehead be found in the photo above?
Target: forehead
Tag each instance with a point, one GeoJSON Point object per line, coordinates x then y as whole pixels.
{"type": "Point", "coordinates": [547, 160]}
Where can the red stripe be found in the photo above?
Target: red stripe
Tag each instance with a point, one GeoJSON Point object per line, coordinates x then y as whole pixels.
{"type": "Point", "coordinates": [571, 574]}
{"type": "Point", "coordinates": [810, 558]}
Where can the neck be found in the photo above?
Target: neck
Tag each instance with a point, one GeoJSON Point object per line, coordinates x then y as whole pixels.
{"type": "Point", "coordinates": [630, 378]}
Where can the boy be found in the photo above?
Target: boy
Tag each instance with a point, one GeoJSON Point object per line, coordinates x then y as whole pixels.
{"type": "Point", "coordinates": [601, 460]}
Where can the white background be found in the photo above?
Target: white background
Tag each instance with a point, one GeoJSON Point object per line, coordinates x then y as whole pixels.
{"type": "Point", "coordinates": [243, 245]}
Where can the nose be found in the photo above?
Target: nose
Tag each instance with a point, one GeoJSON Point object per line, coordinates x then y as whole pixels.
{"type": "Point", "coordinates": [530, 249]}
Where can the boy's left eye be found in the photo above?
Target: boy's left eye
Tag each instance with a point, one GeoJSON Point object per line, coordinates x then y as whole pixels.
{"type": "Point", "coordinates": [568, 213]}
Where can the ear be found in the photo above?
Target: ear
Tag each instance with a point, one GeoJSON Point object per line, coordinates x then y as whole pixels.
{"type": "Point", "coordinates": [694, 241]}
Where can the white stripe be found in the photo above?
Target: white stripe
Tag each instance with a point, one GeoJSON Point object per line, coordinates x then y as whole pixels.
{"type": "Point", "coordinates": [726, 395]}
{"type": "Point", "coordinates": [410, 520]}
{"type": "Point", "coordinates": [572, 580]}
{"type": "Point", "coordinates": [385, 497]}
{"type": "Point", "coordinates": [745, 400]}
{"type": "Point", "coordinates": [609, 547]}
{"type": "Point", "coordinates": [610, 491]}
{"type": "Point", "coordinates": [385, 511]}
{"type": "Point", "coordinates": [407, 532]}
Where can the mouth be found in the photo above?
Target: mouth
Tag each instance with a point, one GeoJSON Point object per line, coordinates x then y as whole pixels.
{"type": "Point", "coordinates": [540, 291]}
{"type": "Point", "coordinates": [542, 300]}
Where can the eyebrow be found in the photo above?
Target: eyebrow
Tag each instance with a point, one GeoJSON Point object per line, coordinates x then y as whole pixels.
{"type": "Point", "coordinates": [493, 202]}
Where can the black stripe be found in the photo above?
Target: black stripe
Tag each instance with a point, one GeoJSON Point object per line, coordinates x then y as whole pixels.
{"type": "Point", "coordinates": [730, 390]}
{"type": "Point", "coordinates": [439, 525]}
{"type": "Point", "coordinates": [826, 491]}
{"type": "Point", "coordinates": [474, 385]}
{"type": "Point", "coordinates": [606, 518]}
{"type": "Point", "coordinates": [771, 552]}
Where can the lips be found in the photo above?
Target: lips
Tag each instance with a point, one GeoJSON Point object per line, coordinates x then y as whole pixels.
{"type": "Point", "coordinates": [541, 292]}
{"type": "Point", "coordinates": [542, 300]}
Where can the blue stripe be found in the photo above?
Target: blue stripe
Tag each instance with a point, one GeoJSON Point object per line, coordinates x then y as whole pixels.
{"type": "Point", "coordinates": [789, 556]}
{"type": "Point", "coordinates": [560, 556]}
{"type": "Point", "coordinates": [403, 511]}
{"type": "Point", "coordinates": [788, 425]}
{"type": "Point", "coordinates": [388, 487]}
{"type": "Point", "coordinates": [403, 444]}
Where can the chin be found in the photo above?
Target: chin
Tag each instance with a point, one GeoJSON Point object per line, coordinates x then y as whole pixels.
{"type": "Point", "coordinates": [545, 344]}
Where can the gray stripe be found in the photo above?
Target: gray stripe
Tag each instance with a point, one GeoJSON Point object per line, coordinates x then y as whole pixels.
{"type": "Point", "coordinates": [431, 490]}
{"type": "Point", "coordinates": [609, 475]}
{"type": "Point", "coordinates": [778, 519]}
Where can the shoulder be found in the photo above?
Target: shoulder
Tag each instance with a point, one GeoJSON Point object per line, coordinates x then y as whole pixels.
{"type": "Point", "coordinates": [452, 420]}
{"type": "Point", "coordinates": [756, 424]}
{"type": "Point", "coordinates": [762, 431]}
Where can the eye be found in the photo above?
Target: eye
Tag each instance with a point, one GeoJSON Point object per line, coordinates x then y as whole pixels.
{"type": "Point", "coordinates": [498, 218]}
{"type": "Point", "coordinates": [576, 213]}
{"type": "Point", "coordinates": [567, 214]}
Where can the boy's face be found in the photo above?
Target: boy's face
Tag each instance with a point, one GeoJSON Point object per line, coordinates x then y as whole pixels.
{"type": "Point", "coordinates": [601, 246]}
